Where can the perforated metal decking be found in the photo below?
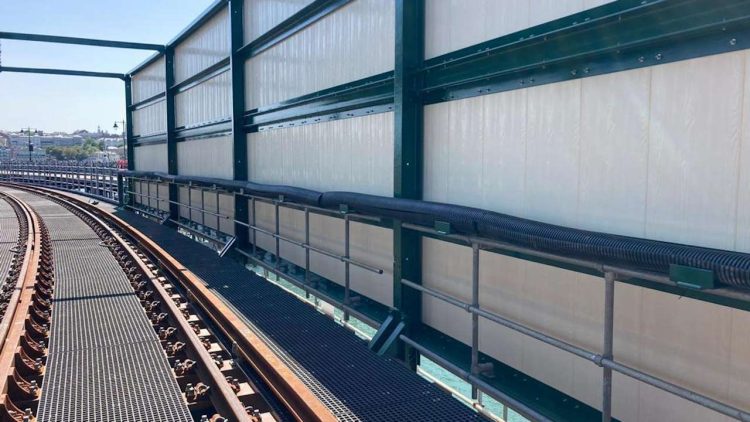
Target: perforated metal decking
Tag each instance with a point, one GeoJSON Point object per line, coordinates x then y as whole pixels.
{"type": "Point", "coordinates": [355, 383]}
{"type": "Point", "coordinates": [105, 362]}
{"type": "Point", "coordinates": [8, 237]}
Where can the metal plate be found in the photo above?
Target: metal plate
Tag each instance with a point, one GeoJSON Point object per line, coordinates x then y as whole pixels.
{"type": "Point", "coordinates": [355, 383]}
{"type": "Point", "coordinates": [105, 361]}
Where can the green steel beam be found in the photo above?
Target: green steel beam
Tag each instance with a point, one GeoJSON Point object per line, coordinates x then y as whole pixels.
{"type": "Point", "coordinates": [63, 72]}
{"type": "Point", "coordinates": [213, 129]}
{"type": "Point", "coordinates": [80, 41]}
{"type": "Point", "coordinates": [365, 96]}
{"type": "Point", "coordinates": [148, 101]}
{"type": "Point", "coordinates": [204, 75]}
{"type": "Point", "coordinates": [239, 139]}
{"type": "Point", "coordinates": [407, 161]}
{"type": "Point", "coordinates": [174, 210]}
{"type": "Point", "coordinates": [310, 14]}
{"type": "Point", "coordinates": [622, 35]}
{"type": "Point", "coordinates": [129, 144]}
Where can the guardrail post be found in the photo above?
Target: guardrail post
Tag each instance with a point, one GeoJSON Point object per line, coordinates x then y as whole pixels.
{"type": "Point", "coordinates": [347, 279]}
{"type": "Point", "coordinates": [607, 352]}
{"type": "Point", "coordinates": [474, 316]}
{"type": "Point", "coordinates": [252, 222]}
{"type": "Point", "coordinates": [276, 238]}
{"type": "Point", "coordinates": [307, 251]}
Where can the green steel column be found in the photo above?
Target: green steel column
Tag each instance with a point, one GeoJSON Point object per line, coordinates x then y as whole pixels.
{"type": "Point", "coordinates": [129, 144]}
{"type": "Point", "coordinates": [407, 161]}
{"type": "Point", "coordinates": [239, 152]}
{"type": "Point", "coordinates": [174, 211]}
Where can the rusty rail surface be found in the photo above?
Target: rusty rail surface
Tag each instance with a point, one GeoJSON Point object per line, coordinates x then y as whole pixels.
{"type": "Point", "coordinates": [287, 388]}
{"type": "Point", "coordinates": [21, 332]}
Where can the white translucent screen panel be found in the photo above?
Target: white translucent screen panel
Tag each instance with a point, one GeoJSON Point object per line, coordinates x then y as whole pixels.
{"type": "Point", "coordinates": [654, 332]}
{"type": "Point", "coordinates": [208, 102]}
{"type": "Point", "coordinates": [352, 43]}
{"type": "Point", "coordinates": [655, 152]}
{"type": "Point", "coordinates": [151, 119]}
{"type": "Point", "coordinates": [262, 15]}
{"type": "Point", "coordinates": [208, 45]}
{"type": "Point", "coordinates": [350, 154]}
{"type": "Point", "coordinates": [454, 24]}
{"type": "Point", "coordinates": [206, 157]}
{"type": "Point", "coordinates": [151, 157]}
{"type": "Point", "coordinates": [149, 81]}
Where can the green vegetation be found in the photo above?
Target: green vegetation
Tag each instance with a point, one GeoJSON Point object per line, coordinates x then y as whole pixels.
{"type": "Point", "coordinates": [78, 152]}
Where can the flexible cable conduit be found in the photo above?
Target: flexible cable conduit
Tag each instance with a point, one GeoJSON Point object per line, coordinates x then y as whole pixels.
{"type": "Point", "coordinates": [732, 268]}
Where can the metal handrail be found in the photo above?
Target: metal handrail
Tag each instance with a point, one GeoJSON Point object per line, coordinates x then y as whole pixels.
{"type": "Point", "coordinates": [612, 274]}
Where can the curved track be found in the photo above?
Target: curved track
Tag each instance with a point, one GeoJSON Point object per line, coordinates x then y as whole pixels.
{"type": "Point", "coordinates": [99, 323]}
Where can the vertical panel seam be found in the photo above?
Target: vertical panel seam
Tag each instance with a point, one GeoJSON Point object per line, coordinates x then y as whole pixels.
{"type": "Point", "coordinates": [648, 149]}
{"type": "Point", "coordinates": [741, 141]}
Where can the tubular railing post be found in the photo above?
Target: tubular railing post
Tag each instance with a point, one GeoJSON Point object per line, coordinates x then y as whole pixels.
{"type": "Point", "coordinates": [347, 280]}
{"type": "Point", "coordinates": [307, 250]}
{"type": "Point", "coordinates": [277, 232]}
{"type": "Point", "coordinates": [158, 199]}
{"type": "Point", "coordinates": [190, 202]}
{"type": "Point", "coordinates": [203, 208]}
{"type": "Point", "coordinates": [607, 352]}
{"type": "Point", "coordinates": [474, 316]}
{"type": "Point", "coordinates": [218, 221]}
{"type": "Point", "coordinates": [252, 221]}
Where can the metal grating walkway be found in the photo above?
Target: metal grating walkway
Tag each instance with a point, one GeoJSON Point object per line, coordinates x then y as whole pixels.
{"type": "Point", "coordinates": [355, 383]}
{"type": "Point", "coordinates": [9, 233]}
{"type": "Point", "coordinates": [105, 362]}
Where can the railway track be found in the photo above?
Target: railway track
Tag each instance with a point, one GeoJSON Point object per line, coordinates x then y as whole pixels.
{"type": "Point", "coordinates": [219, 369]}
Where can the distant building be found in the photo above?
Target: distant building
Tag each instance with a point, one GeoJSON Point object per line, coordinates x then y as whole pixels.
{"type": "Point", "coordinates": [44, 141]}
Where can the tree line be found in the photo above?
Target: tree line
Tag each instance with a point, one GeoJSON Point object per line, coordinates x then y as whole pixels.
{"type": "Point", "coordinates": [77, 152]}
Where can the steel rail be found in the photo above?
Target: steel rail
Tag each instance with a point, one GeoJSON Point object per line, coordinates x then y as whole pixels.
{"type": "Point", "coordinates": [298, 399]}
{"type": "Point", "coordinates": [13, 325]}
{"type": "Point", "coordinates": [224, 399]}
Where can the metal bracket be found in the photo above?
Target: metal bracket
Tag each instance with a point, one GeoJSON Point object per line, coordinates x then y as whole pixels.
{"type": "Point", "coordinates": [387, 334]}
{"type": "Point", "coordinates": [443, 227]}
{"type": "Point", "coordinates": [228, 246]}
{"type": "Point", "coordinates": [691, 277]}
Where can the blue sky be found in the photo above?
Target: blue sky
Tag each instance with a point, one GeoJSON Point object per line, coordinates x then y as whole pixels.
{"type": "Point", "coordinates": [67, 103]}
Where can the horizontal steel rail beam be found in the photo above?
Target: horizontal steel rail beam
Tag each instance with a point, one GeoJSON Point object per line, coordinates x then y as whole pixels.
{"type": "Point", "coordinates": [80, 41]}
{"type": "Point", "coordinates": [596, 358]}
{"type": "Point", "coordinates": [332, 103]}
{"type": "Point", "coordinates": [64, 72]}
{"type": "Point", "coordinates": [614, 37]}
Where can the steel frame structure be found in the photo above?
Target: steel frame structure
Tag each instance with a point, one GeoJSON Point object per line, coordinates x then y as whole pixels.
{"type": "Point", "coordinates": [623, 35]}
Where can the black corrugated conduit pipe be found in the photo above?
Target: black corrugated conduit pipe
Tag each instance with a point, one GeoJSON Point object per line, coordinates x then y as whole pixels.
{"type": "Point", "coordinates": [731, 268]}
